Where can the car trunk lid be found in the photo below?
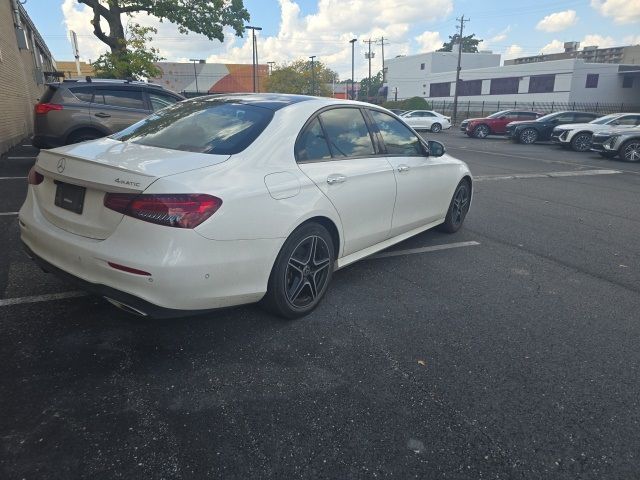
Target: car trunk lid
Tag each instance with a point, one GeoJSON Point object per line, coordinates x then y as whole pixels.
{"type": "Point", "coordinates": [77, 177]}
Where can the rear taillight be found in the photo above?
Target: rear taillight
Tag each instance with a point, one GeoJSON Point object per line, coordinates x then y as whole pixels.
{"type": "Point", "coordinates": [34, 178]}
{"type": "Point", "coordinates": [171, 210]}
{"type": "Point", "coordinates": [44, 108]}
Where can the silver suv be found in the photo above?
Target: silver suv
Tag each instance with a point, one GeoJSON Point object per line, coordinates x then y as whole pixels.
{"type": "Point", "coordinates": [75, 111]}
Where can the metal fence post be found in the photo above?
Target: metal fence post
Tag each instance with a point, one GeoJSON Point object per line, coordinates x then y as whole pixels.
{"type": "Point", "coordinates": [482, 113]}
{"type": "Point", "coordinates": [498, 104]}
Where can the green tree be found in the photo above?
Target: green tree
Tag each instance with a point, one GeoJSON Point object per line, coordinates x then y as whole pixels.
{"type": "Point", "coordinates": [469, 44]}
{"type": "Point", "coordinates": [134, 61]}
{"type": "Point", "coordinates": [297, 77]}
{"type": "Point", "coordinates": [369, 90]}
{"type": "Point", "coordinates": [207, 17]}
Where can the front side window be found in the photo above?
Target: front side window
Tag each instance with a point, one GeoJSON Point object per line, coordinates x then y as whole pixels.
{"type": "Point", "coordinates": [629, 120]}
{"type": "Point", "coordinates": [159, 101]}
{"type": "Point", "coordinates": [202, 125]}
{"type": "Point", "coordinates": [398, 139]}
{"type": "Point", "coordinates": [347, 132]}
{"type": "Point", "coordinates": [312, 144]}
{"type": "Point", "coordinates": [120, 98]}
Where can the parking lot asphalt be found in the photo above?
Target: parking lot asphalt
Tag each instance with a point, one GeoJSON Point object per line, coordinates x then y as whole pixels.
{"type": "Point", "coordinates": [512, 354]}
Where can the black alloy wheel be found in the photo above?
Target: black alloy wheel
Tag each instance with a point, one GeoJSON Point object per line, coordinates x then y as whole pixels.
{"type": "Point", "coordinates": [458, 208]}
{"type": "Point", "coordinates": [481, 131]}
{"type": "Point", "coordinates": [301, 273]}
{"type": "Point", "coordinates": [436, 128]}
{"type": "Point", "coordinates": [528, 136]}
{"type": "Point", "coordinates": [630, 151]}
{"type": "Point", "coordinates": [581, 142]}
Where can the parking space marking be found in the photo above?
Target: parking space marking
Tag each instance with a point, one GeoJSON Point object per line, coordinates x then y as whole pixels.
{"type": "Point", "coordinates": [433, 248]}
{"type": "Point", "coordinates": [41, 298]}
{"type": "Point", "coordinates": [13, 178]}
{"type": "Point", "coordinates": [22, 158]}
{"type": "Point", "coordinates": [8, 214]}
{"type": "Point", "coordinates": [573, 173]}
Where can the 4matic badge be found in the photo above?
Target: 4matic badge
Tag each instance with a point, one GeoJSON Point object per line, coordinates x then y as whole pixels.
{"type": "Point", "coordinates": [128, 183]}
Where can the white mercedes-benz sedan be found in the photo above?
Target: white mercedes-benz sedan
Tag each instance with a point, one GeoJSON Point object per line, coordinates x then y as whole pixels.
{"type": "Point", "coordinates": [226, 200]}
{"type": "Point", "coordinates": [426, 120]}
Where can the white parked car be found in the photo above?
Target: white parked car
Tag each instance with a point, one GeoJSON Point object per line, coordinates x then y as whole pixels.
{"type": "Point", "coordinates": [225, 200]}
{"type": "Point", "coordinates": [578, 135]}
{"type": "Point", "coordinates": [426, 120]}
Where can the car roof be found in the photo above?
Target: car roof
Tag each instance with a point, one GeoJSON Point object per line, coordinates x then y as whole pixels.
{"type": "Point", "coordinates": [276, 101]}
{"type": "Point", "coordinates": [103, 82]}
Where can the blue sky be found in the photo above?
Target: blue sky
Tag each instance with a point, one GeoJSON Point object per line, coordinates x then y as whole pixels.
{"type": "Point", "coordinates": [299, 28]}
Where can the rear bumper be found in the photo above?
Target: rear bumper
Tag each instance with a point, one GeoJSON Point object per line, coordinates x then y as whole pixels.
{"type": "Point", "coordinates": [187, 271]}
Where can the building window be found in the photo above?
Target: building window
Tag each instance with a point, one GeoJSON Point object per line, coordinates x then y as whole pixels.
{"type": "Point", "coordinates": [469, 87]}
{"type": "Point", "coordinates": [541, 83]}
{"type": "Point", "coordinates": [422, 66]}
{"type": "Point", "coordinates": [502, 86]}
{"type": "Point", "coordinates": [627, 81]}
{"type": "Point", "coordinates": [592, 80]}
{"type": "Point", "coordinates": [440, 89]}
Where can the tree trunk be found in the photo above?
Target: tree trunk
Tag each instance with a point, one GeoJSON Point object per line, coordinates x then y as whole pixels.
{"type": "Point", "coordinates": [115, 40]}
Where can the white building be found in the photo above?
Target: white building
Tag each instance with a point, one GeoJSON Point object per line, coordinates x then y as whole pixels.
{"type": "Point", "coordinates": [561, 81]}
{"type": "Point", "coordinates": [409, 74]}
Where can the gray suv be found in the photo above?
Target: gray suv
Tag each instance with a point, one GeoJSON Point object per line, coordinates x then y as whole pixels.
{"type": "Point", "coordinates": [75, 111]}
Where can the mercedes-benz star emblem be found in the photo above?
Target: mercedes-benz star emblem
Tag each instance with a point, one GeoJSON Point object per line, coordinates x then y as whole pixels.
{"type": "Point", "coordinates": [62, 163]}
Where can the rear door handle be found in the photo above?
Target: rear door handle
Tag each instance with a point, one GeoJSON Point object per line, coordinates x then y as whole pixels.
{"type": "Point", "coordinates": [336, 178]}
{"type": "Point", "coordinates": [403, 168]}
{"type": "Point", "coordinates": [102, 115]}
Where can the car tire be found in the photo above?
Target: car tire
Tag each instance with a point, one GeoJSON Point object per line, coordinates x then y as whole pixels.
{"type": "Point", "coordinates": [436, 128]}
{"type": "Point", "coordinates": [528, 136]}
{"type": "Point", "coordinates": [630, 151]}
{"type": "Point", "coordinates": [458, 208]}
{"type": "Point", "coordinates": [83, 136]}
{"type": "Point", "coordinates": [301, 273]}
{"type": "Point", "coordinates": [581, 142]}
{"type": "Point", "coordinates": [608, 154]}
{"type": "Point", "coordinates": [481, 131]}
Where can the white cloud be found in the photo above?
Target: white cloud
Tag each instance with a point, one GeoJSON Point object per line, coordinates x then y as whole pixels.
{"type": "Point", "coordinates": [598, 41]}
{"type": "Point", "coordinates": [558, 21]}
{"type": "Point", "coordinates": [325, 33]}
{"type": "Point", "coordinates": [622, 11]}
{"type": "Point", "coordinates": [513, 51]}
{"type": "Point", "coordinates": [632, 40]}
{"type": "Point", "coordinates": [494, 42]}
{"type": "Point", "coordinates": [555, 46]}
{"type": "Point", "coordinates": [429, 41]}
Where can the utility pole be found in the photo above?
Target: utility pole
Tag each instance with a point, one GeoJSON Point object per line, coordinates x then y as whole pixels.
{"type": "Point", "coordinates": [195, 73]}
{"type": "Point", "coordinates": [384, 72]}
{"type": "Point", "coordinates": [353, 91]}
{"type": "Point", "coordinates": [455, 95]}
{"type": "Point", "coordinates": [254, 59]}
{"type": "Point", "coordinates": [369, 56]}
{"type": "Point", "coordinates": [313, 76]}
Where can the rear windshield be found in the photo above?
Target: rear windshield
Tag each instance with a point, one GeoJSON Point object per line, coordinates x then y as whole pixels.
{"type": "Point", "coordinates": [48, 94]}
{"type": "Point", "coordinates": [202, 125]}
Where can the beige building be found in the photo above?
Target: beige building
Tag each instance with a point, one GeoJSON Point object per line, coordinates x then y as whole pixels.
{"type": "Point", "coordinates": [68, 68]}
{"type": "Point", "coordinates": [629, 55]}
{"type": "Point", "coordinates": [25, 65]}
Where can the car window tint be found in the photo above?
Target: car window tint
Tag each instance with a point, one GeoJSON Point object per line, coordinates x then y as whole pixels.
{"type": "Point", "coordinates": [347, 132]}
{"type": "Point", "coordinates": [629, 120]}
{"type": "Point", "coordinates": [398, 139]}
{"type": "Point", "coordinates": [527, 115]}
{"type": "Point", "coordinates": [581, 118]}
{"type": "Point", "coordinates": [201, 125]}
{"type": "Point", "coordinates": [312, 144]}
{"type": "Point", "coordinates": [120, 98]}
{"type": "Point", "coordinates": [159, 101]}
{"type": "Point", "coordinates": [565, 118]}
{"type": "Point", "coordinates": [83, 94]}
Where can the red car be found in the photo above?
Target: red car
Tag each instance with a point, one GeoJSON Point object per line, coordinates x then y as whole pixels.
{"type": "Point", "coordinates": [495, 124]}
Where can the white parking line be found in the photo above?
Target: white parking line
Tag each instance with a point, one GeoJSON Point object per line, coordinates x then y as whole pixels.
{"type": "Point", "coordinates": [518, 176]}
{"type": "Point", "coordinates": [41, 298]}
{"type": "Point", "coordinates": [8, 214]}
{"type": "Point", "coordinates": [433, 248]}
{"type": "Point", "coordinates": [12, 178]}
{"type": "Point", "coordinates": [22, 158]}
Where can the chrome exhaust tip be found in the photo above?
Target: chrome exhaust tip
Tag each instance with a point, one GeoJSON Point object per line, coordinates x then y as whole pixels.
{"type": "Point", "coordinates": [125, 307]}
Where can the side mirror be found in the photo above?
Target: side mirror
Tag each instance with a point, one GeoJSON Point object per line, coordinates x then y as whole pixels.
{"type": "Point", "coordinates": [436, 149]}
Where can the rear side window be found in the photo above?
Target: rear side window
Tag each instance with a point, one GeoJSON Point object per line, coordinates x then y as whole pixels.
{"type": "Point", "coordinates": [48, 94]}
{"type": "Point", "coordinates": [398, 139]}
{"type": "Point", "coordinates": [584, 118]}
{"type": "Point", "coordinates": [312, 144]}
{"type": "Point", "coordinates": [160, 100]}
{"type": "Point", "coordinates": [203, 125]}
{"type": "Point", "coordinates": [120, 98]}
{"type": "Point", "coordinates": [527, 115]}
{"type": "Point", "coordinates": [83, 94]}
{"type": "Point", "coordinates": [347, 132]}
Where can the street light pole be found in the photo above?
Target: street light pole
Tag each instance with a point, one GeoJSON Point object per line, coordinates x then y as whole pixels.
{"type": "Point", "coordinates": [195, 74]}
{"type": "Point", "coordinates": [455, 95]}
{"type": "Point", "coordinates": [313, 76]}
{"type": "Point", "coordinates": [254, 58]}
{"type": "Point", "coordinates": [353, 92]}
